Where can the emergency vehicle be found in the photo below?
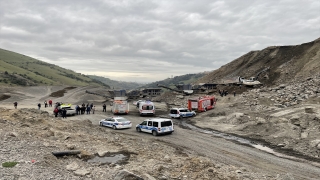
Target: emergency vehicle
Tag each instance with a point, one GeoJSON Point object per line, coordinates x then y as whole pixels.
{"type": "Point", "coordinates": [146, 108]}
{"type": "Point", "coordinates": [120, 107]}
{"type": "Point", "coordinates": [202, 104]}
{"type": "Point", "coordinates": [156, 126]}
{"type": "Point", "coordinates": [181, 113]}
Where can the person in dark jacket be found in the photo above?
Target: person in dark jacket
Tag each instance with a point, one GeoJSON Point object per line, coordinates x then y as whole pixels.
{"type": "Point", "coordinates": [104, 108]}
{"type": "Point", "coordinates": [39, 106]}
{"type": "Point", "coordinates": [77, 109]}
{"type": "Point", "coordinates": [15, 104]}
{"type": "Point", "coordinates": [64, 113]}
{"type": "Point", "coordinates": [88, 109]}
{"type": "Point", "coordinates": [83, 109]}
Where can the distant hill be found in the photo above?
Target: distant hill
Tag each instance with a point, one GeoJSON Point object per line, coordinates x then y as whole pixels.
{"type": "Point", "coordinates": [171, 82]}
{"type": "Point", "coordinates": [273, 65]}
{"type": "Point", "coordinates": [18, 69]}
{"type": "Point", "coordinates": [117, 84]}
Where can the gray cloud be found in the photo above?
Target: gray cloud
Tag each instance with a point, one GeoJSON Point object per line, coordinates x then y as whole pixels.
{"type": "Point", "coordinates": [152, 40]}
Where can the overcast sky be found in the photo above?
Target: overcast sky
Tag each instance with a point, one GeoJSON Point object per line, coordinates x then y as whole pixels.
{"type": "Point", "coordinates": [150, 40]}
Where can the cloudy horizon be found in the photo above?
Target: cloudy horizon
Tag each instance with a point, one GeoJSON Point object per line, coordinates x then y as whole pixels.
{"type": "Point", "coordinates": [147, 41]}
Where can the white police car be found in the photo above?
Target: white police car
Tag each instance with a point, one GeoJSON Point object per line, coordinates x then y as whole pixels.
{"type": "Point", "coordinates": [156, 126]}
{"type": "Point", "coordinates": [181, 112]}
{"type": "Point", "coordinates": [116, 122]}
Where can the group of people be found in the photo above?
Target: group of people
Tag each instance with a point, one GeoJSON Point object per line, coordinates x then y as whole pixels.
{"type": "Point", "coordinates": [225, 93]}
{"type": "Point", "coordinates": [58, 109]}
{"type": "Point", "coordinates": [46, 103]}
{"type": "Point", "coordinates": [85, 108]}
{"type": "Point", "coordinates": [62, 111]}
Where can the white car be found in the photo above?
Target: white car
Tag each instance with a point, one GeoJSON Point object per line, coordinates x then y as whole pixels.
{"type": "Point", "coordinates": [70, 111]}
{"type": "Point", "coordinates": [116, 122]}
{"type": "Point", "coordinates": [156, 126]}
{"type": "Point", "coordinates": [181, 112]}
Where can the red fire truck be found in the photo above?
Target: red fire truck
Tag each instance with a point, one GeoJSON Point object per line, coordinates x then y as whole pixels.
{"type": "Point", "coordinates": [201, 104]}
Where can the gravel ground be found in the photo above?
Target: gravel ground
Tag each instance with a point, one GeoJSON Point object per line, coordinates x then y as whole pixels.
{"type": "Point", "coordinates": [30, 134]}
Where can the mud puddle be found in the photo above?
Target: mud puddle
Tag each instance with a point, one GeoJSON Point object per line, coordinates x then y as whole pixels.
{"type": "Point", "coordinates": [111, 158]}
{"type": "Point", "coordinates": [246, 142]}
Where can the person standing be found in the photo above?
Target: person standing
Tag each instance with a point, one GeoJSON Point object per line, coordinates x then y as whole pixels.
{"type": "Point", "coordinates": [50, 103]}
{"type": "Point", "coordinates": [77, 109]}
{"type": "Point", "coordinates": [45, 104]}
{"type": "Point", "coordinates": [15, 104]}
{"type": "Point", "coordinates": [93, 109]}
{"type": "Point", "coordinates": [56, 112]}
{"type": "Point", "coordinates": [88, 109]}
{"type": "Point", "coordinates": [234, 93]}
{"type": "Point", "coordinates": [83, 109]}
{"type": "Point", "coordinates": [104, 108]}
{"type": "Point", "coordinates": [64, 113]}
{"type": "Point", "coordinates": [39, 106]}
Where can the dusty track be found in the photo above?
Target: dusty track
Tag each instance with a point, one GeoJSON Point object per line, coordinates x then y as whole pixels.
{"type": "Point", "coordinates": [217, 149]}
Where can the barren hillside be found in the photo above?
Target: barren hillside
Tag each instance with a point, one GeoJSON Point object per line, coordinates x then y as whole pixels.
{"type": "Point", "coordinates": [281, 64]}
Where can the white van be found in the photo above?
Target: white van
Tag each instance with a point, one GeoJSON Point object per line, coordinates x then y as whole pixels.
{"type": "Point", "coordinates": [181, 112]}
{"type": "Point", "coordinates": [156, 126]}
{"type": "Point", "coordinates": [146, 108]}
{"type": "Point", "coordinates": [120, 107]}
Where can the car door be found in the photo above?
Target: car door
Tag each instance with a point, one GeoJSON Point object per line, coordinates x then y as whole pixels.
{"type": "Point", "coordinates": [183, 112]}
{"type": "Point", "coordinates": [143, 126]}
{"type": "Point", "coordinates": [109, 122]}
{"type": "Point", "coordinates": [149, 127]}
{"type": "Point", "coordinates": [112, 122]}
{"type": "Point", "coordinates": [188, 113]}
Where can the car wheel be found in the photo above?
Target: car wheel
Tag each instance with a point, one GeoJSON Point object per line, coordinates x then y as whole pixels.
{"type": "Point", "coordinates": [180, 117]}
{"type": "Point", "coordinates": [138, 129]}
{"type": "Point", "coordinates": [154, 133]}
{"type": "Point", "coordinates": [114, 127]}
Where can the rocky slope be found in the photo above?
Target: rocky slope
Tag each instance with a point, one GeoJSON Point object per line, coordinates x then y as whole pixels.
{"type": "Point", "coordinates": [273, 65]}
{"type": "Point", "coordinates": [29, 136]}
{"type": "Point", "coordinates": [284, 117]}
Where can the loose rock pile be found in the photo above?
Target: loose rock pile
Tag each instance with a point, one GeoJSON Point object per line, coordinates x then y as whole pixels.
{"type": "Point", "coordinates": [285, 95]}
{"type": "Point", "coordinates": [29, 136]}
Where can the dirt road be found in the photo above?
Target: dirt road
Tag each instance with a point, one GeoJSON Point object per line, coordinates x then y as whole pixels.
{"type": "Point", "coordinates": [217, 149]}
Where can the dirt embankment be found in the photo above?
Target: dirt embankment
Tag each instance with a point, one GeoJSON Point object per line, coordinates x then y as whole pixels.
{"type": "Point", "coordinates": [60, 93]}
{"type": "Point", "coordinates": [29, 136]}
{"type": "Point", "coordinates": [281, 64]}
{"type": "Point", "coordinates": [285, 117]}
